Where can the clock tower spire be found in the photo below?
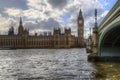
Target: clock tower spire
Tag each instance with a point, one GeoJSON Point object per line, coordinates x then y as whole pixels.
{"type": "Point", "coordinates": [20, 28]}
{"type": "Point", "coordinates": [80, 23]}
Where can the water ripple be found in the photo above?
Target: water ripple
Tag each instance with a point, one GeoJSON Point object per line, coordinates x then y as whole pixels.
{"type": "Point", "coordinates": [45, 64]}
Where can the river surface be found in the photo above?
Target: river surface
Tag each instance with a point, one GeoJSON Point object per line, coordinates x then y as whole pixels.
{"type": "Point", "coordinates": [45, 64]}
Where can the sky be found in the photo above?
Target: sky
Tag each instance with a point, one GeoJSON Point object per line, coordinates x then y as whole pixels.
{"type": "Point", "coordinates": [45, 15]}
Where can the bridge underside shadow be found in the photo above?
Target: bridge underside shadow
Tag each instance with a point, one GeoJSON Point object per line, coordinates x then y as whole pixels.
{"type": "Point", "coordinates": [111, 43]}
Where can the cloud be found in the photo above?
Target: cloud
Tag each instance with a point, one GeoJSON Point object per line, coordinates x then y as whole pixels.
{"type": "Point", "coordinates": [6, 23]}
{"type": "Point", "coordinates": [104, 14]}
{"type": "Point", "coordinates": [45, 25]}
{"type": "Point", "coordinates": [57, 3]}
{"type": "Point", "coordinates": [13, 12]}
{"type": "Point", "coordinates": [44, 15]}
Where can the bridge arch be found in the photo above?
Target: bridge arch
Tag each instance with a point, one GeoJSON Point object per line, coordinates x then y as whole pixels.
{"type": "Point", "coordinates": [109, 40]}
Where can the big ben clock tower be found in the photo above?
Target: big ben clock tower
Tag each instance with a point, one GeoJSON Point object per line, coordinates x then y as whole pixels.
{"type": "Point", "coordinates": [80, 22]}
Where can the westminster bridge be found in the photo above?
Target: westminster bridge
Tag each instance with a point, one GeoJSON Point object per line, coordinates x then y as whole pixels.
{"type": "Point", "coordinates": [105, 40]}
{"type": "Point", "coordinates": [109, 33]}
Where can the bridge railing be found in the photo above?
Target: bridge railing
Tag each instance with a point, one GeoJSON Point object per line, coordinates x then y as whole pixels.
{"type": "Point", "coordinates": [111, 13]}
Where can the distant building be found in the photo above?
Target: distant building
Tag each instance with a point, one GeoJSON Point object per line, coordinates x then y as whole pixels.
{"type": "Point", "coordinates": [47, 40]}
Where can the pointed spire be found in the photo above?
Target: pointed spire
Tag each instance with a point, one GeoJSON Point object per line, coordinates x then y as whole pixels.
{"type": "Point", "coordinates": [90, 31]}
{"type": "Point", "coordinates": [20, 28]}
{"type": "Point", "coordinates": [95, 17]}
{"type": "Point", "coordinates": [20, 23]}
{"type": "Point", "coordinates": [90, 35]}
{"type": "Point", "coordinates": [20, 20]}
{"type": "Point", "coordinates": [80, 12]}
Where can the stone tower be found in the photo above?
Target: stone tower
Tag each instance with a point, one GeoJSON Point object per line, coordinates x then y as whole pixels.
{"type": "Point", "coordinates": [80, 22]}
{"type": "Point", "coordinates": [20, 28]}
{"type": "Point", "coordinates": [95, 35]}
{"type": "Point", "coordinates": [11, 31]}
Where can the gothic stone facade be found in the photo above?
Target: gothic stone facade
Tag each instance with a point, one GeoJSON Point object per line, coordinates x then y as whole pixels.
{"type": "Point", "coordinates": [57, 40]}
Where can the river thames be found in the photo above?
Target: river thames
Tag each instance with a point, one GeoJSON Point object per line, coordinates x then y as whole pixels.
{"type": "Point", "coordinates": [45, 64]}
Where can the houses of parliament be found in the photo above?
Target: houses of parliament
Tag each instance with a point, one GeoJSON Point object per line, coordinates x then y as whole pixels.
{"type": "Point", "coordinates": [56, 40]}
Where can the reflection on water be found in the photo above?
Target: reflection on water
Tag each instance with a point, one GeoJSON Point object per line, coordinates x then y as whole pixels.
{"type": "Point", "coordinates": [110, 51]}
{"type": "Point", "coordinates": [45, 64]}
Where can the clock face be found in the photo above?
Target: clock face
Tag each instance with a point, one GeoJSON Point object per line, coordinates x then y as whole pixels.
{"type": "Point", "coordinates": [80, 21]}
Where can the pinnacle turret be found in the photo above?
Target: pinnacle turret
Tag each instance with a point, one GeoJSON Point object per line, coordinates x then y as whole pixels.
{"type": "Point", "coordinates": [95, 17]}
{"type": "Point", "coordinates": [80, 14]}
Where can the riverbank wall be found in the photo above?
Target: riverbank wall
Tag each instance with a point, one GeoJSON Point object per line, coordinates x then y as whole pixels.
{"type": "Point", "coordinates": [103, 58]}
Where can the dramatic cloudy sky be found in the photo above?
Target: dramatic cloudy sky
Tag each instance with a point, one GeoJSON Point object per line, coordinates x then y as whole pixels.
{"type": "Point", "coordinates": [44, 15]}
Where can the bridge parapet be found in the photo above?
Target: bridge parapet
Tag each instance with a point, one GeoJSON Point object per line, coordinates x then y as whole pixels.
{"type": "Point", "coordinates": [112, 15]}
